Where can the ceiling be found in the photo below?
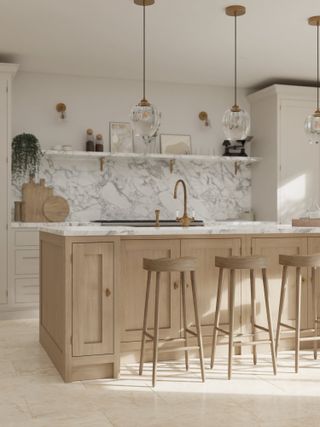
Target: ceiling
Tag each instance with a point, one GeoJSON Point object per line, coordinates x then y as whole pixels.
{"type": "Point", "coordinates": [189, 41]}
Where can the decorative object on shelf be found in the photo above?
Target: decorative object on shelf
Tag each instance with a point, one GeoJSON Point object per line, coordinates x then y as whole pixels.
{"type": "Point", "coordinates": [67, 148]}
{"type": "Point", "coordinates": [236, 121]}
{"type": "Point", "coordinates": [312, 123]}
{"type": "Point", "coordinates": [203, 116]}
{"type": "Point", "coordinates": [18, 211]}
{"type": "Point", "coordinates": [144, 117]}
{"type": "Point", "coordinates": [56, 209]}
{"type": "Point", "coordinates": [33, 197]}
{"type": "Point", "coordinates": [61, 108]}
{"type": "Point", "coordinates": [26, 156]}
{"type": "Point", "coordinates": [148, 145]}
{"type": "Point", "coordinates": [120, 137]}
{"type": "Point", "coordinates": [90, 140]}
{"type": "Point", "coordinates": [99, 143]}
{"type": "Point", "coordinates": [175, 144]}
{"type": "Point", "coordinates": [236, 148]}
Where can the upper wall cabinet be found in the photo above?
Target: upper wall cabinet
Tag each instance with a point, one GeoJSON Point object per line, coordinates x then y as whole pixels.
{"type": "Point", "coordinates": [285, 184]}
{"type": "Point", "coordinates": [7, 72]}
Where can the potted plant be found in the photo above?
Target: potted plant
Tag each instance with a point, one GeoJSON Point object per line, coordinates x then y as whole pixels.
{"type": "Point", "coordinates": [26, 156]}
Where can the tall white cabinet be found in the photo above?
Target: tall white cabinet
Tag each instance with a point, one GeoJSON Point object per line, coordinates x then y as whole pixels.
{"type": "Point", "coordinates": [286, 183]}
{"type": "Point", "coordinates": [7, 72]}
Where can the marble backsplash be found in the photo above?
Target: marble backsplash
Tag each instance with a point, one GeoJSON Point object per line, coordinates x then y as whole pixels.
{"type": "Point", "coordinates": [134, 188]}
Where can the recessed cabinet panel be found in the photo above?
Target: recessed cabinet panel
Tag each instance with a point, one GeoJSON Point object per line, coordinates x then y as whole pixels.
{"type": "Point", "coordinates": [205, 250]}
{"type": "Point", "coordinates": [93, 298]}
{"type": "Point", "coordinates": [27, 261]}
{"type": "Point", "coordinates": [26, 238]}
{"type": "Point", "coordinates": [27, 290]}
{"type": "Point", "coordinates": [272, 248]}
{"type": "Point", "coordinates": [133, 289]}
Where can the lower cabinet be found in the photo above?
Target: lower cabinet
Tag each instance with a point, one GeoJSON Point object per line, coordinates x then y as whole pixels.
{"type": "Point", "coordinates": [133, 281]}
{"type": "Point", "coordinates": [93, 299]}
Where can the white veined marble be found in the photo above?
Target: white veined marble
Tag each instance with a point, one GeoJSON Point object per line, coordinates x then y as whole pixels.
{"type": "Point", "coordinates": [134, 188]}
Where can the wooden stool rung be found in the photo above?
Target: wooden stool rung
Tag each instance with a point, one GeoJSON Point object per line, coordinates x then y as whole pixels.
{"type": "Point", "coordinates": [256, 342]}
{"type": "Point", "coordinates": [191, 332]}
{"type": "Point", "coordinates": [262, 328]}
{"type": "Point", "coordinates": [287, 326]}
{"type": "Point", "coordinates": [186, 348]}
{"type": "Point", "coordinates": [309, 338]}
{"type": "Point", "coordinates": [148, 335]}
{"type": "Point", "coordinates": [223, 331]}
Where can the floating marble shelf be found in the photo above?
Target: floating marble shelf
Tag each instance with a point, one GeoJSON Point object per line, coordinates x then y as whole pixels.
{"type": "Point", "coordinates": [103, 156]}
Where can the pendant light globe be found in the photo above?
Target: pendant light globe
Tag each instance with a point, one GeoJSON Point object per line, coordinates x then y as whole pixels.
{"type": "Point", "coordinates": [312, 122]}
{"type": "Point", "coordinates": [236, 121]}
{"type": "Point", "coordinates": [145, 117]}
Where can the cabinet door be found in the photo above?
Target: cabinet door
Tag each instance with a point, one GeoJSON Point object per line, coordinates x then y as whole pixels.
{"type": "Point", "coordinates": [93, 298]}
{"type": "Point", "coordinates": [205, 250]}
{"type": "Point", "coordinates": [3, 190]}
{"type": "Point", "coordinates": [133, 289]}
{"type": "Point", "coordinates": [313, 248]}
{"type": "Point", "coordinates": [272, 248]}
{"type": "Point", "coordinates": [298, 183]}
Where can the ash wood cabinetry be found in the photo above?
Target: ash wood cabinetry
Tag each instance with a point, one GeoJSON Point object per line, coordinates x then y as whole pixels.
{"type": "Point", "coordinates": [133, 289]}
{"type": "Point", "coordinates": [205, 250]}
{"type": "Point", "coordinates": [79, 305]}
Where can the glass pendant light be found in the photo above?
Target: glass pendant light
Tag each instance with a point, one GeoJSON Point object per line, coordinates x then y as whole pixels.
{"type": "Point", "coordinates": [312, 123]}
{"type": "Point", "coordinates": [236, 122]}
{"type": "Point", "coordinates": [145, 118]}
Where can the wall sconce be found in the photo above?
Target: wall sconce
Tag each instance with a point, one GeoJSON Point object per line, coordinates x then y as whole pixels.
{"type": "Point", "coordinates": [203, 116]}
{"type": "Point", "coordinates": [61, 109]}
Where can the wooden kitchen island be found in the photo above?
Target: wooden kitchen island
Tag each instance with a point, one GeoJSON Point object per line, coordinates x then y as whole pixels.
{"type": "Point", "coordinates": [92, 287]}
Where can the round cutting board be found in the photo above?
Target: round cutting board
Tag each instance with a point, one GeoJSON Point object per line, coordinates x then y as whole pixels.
{"type": "Point", "coordinates": [56, 209]}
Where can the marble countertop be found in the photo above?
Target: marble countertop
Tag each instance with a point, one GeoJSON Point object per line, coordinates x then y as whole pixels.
{"type": "Point", "coordinates": [232, 227]}
{"type": "Point", "coordinates": [38, 225]}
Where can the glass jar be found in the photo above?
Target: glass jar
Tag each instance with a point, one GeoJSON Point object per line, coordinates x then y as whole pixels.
{"type": "Point", "coordinates": [99, 142]}
{"type": "Point", "coordinates": [90, 140]}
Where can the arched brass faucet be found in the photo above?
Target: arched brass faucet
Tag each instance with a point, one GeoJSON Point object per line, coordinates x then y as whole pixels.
{"type": "Point", "coordinates": [185, 220]}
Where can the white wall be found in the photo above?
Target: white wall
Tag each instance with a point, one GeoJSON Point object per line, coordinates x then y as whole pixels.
{"type": "Point", "coordinates": [93, 102]}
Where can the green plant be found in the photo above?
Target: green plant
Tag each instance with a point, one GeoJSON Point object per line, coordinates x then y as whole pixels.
{"type": "Point", "coordinates": [26, 156]}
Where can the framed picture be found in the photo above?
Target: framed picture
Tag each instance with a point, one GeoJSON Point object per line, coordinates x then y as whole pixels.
{"type": "Point", "coordinates": [120, 137]}
{"type": "Point", "coordinates": [175, 144]}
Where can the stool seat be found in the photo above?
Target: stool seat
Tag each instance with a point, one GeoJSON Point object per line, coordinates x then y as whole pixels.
{"type": "Point", "coordinates": [250, 263]}
{"type": "Point", "coordinates": [170, 264]}
{"type": "Point", "coordinates": [241, 262]}
{"type": "Point", "coordinates": [300, 260]}
{"type": "Point", "coordinates": [167, 265]}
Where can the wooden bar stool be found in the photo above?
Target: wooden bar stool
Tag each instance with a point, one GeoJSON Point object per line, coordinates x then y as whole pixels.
{"type": "Point", "coordinates": [158, 266]}
{"type": "Point", "coordinates": [232, 264]}
{"type": "Point", "coordinates": [299, 261]}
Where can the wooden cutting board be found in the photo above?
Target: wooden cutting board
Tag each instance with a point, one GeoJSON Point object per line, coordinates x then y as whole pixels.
{"type": "Point", "coordinates": [56, 209]}
{"type": "Point", "coordinates": [306, 222]}
{"type": "Point", "coordinates": [33, 197]}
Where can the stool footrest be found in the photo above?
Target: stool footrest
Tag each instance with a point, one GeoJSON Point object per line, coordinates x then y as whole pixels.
{"type": "Point", "coordinates": [186, 348]}
{"type": "Point", "coordinates": [191, 332]}
{"type": "Point", "coordinates": [309, 339]}
{"type": "Point", "coordinates": [222, 330]}
{"type": "Point", "coordinates": [148, 335]}
{"type": "Point", "coordinates": [262, 328]}
{"type": "Point", "coordinates": [256, 342]}
{"type": "Point", "coordinates": [287, 326]}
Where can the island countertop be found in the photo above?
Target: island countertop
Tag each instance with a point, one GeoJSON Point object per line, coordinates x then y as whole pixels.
{"type": "Point", "coordinates": [214, 228]}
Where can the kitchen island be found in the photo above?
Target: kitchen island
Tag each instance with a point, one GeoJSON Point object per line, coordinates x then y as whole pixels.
{"type": "Point", "coordinates": [92, 287]}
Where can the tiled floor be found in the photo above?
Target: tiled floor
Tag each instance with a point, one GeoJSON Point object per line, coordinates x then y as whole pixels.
{"type": "Point", "coordinates": [33, 394]}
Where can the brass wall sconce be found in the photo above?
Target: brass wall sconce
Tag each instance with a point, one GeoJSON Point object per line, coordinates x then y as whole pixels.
{"type": "Point", "coordinates": [61, 108]}
{"type": "Point", "coordinates": [203, 116]}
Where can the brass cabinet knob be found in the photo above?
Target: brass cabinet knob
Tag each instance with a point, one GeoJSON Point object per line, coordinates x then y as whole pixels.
{"type": "Point", "coordinates": [303, 279]}
{"type": "Point", "coordinates": [108, 292]}
{"type": "Point", "coordinates": [176, 285]}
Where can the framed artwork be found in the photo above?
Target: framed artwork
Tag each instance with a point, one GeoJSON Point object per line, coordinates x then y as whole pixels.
{"type": "Point", "coordinates": [175, 144]}
{"type": "Point", "coordinates": [120, 137]}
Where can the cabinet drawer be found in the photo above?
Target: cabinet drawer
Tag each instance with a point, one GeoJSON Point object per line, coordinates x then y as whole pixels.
{"type": "Point", "coordinates": [27, 261]}
{"type": "Point", "coordinates": [27, 290]}
{"type": "Point", "coordinates": [26, 238]}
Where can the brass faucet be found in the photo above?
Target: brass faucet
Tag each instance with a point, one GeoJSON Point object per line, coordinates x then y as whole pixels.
{"type": "Point", "coordinates": [185, 220]}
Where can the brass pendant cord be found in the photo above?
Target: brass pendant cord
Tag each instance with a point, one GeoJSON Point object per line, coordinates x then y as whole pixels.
{"type": "Point", "coordinates": [318, 76]}
{"type": "Point", "coordinates": [144, 51]}
{"type": "Point", "coordinates": [235, 59]}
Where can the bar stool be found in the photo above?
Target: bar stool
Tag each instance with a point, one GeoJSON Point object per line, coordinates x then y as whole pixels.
{"type": "Point", "coordinates": [158, 266]}
{"type": "Point", "coordinates": [232, 264]}
{"type": "Point", "coordinates": [299, 261]}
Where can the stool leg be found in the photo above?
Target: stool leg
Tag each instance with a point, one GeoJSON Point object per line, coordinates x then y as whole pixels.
{"type": "Point", "coordinates": [315, 311]}
{"type": "Point", "coordinates": [156, 331]}
{"type": "Point", "coordinates": [184, 314]}
{"type": "Point", "coordinates": [298, 317]}
{"type": "Point", "coordinates": [282, 297]}
{"type": "Point", "coordinates": [196, 314]}
{"type": "Point", "coordinates": [266, 297]}
{"type": "Point", "coordinates": [231, 321]}
{"type": "Point", "coordinates": [145, 321]}
{"type": "Point", "coordinates": [253, 313]}
{"type": "Point", "coordinates": [216, 318]}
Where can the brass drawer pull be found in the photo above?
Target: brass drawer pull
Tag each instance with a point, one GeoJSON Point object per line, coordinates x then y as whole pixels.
{"type": "Point", "coordinates": [108, 292]}
{"type": "Point", "coordinates": [176, 285]}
